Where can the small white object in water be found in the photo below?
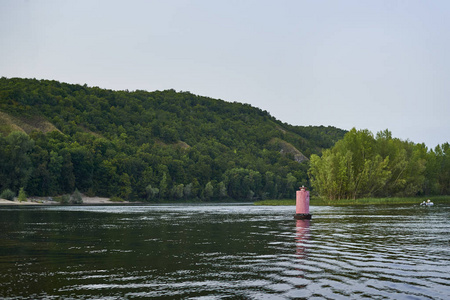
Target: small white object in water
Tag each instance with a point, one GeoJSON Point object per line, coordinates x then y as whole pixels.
{"type": "Point", "coordinates": [428, 203]}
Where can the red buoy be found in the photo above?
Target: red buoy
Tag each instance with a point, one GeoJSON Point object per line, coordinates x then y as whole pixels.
{"type": "Point", "coordinates": [302, 204]}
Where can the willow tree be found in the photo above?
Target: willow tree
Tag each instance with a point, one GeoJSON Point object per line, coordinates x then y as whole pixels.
{"type": "Point", "coordinates": [351, 169]}
{"type": "Point", "coordinates": [438, 170]}
{"type": "Point", "coordinates": [332, 175]}
{"type": "Point", "coordinates": [407, 164]}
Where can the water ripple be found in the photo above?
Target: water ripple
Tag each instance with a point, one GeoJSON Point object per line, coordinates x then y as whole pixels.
{"type": "Point", "coordinates": [220, 252]}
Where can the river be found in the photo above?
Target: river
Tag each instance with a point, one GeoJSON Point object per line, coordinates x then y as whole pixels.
{"type": "Point", "coordinates": [224, 252]}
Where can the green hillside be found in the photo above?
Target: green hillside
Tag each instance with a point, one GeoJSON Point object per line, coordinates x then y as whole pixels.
{"type": "Point", "coordinates": [154, 146]}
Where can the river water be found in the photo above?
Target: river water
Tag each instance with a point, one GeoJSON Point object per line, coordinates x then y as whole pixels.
{"type": "Point", "coordinates": [224, 252]}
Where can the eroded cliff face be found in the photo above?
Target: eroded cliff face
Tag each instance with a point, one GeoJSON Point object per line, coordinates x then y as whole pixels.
{"type": "Point", "coordinates": [9, 124]}
{"type": "Point", "coordinates": [287, 148]}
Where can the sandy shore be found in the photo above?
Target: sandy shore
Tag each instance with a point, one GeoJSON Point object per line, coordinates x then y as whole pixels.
{"type": "Point", "coordinates": [45, 201]}
{"type": "Point", "coordinates": [16, 202]}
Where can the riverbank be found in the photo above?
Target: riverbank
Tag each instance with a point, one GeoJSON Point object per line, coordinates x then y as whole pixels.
{"type": "Point", "coordinates": [50, 201]}
{"type": "Point", "coordinates": [364, 201]}
{"type": "Point", "coordinates": [16, 202]}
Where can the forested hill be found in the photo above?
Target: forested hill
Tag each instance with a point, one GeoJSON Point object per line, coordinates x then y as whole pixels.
{"type": "Point", "coordinates": [154, 146]}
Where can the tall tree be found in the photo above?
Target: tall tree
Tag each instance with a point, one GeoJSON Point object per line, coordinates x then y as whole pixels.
{"type": "Point", "coordinates": [15, 160]}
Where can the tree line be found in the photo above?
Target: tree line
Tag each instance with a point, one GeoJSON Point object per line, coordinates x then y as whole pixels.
{"type": "Point", "coordinates": [362, 165]}
{"type": "Point", "coordinates": [54, 164]}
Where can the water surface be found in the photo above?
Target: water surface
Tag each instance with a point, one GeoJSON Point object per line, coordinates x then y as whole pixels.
{"type": "Point", "coordinates": [224, 252]}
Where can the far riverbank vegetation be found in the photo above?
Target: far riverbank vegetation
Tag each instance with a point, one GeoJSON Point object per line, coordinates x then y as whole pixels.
{"type": "Point", "coordinates": [169, 146]}
{"type": "Point", "coordinates": [362, 168]}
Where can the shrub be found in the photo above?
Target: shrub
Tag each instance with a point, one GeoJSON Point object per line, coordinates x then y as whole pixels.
{"type": "Point", "coordinates": [8, 195]}
{"type": "Point", "coordinates": [116, 199]}
{"type": "Point", "coordinates": [76, 197]}
{"type": "Point", "coordinates": [90, 193]}
{"type": "Point", "coordinates": [65, 199]}
{"type": "Point", "coordinates": [22, 195]}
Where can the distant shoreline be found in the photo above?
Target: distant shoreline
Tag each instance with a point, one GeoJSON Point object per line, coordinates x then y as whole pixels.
{"type": "Point", "coordinates": [46, 201]}
{"type": "Point", "coordinates": [363, 201]}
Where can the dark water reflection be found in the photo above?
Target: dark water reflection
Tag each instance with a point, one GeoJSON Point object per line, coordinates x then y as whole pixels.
{"type": "Point", "coordinates": [224, 251]}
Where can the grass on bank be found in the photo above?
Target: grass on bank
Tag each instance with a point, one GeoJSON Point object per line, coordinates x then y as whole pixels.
{"type": "Point", "coordinates": [363, 201]}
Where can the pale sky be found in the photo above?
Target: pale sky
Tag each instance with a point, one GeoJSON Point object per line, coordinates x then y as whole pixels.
{"type": "Point", "coordinates": [368, 64]}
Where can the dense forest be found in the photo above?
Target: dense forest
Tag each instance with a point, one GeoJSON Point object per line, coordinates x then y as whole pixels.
{"type": "Point", "coordinates": [362, 165]}
{"type": "Point", "coordinates": [148, 146]}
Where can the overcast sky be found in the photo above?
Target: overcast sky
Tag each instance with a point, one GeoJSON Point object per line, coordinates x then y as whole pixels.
{"type": "Point", "coordinates": [365, 64]}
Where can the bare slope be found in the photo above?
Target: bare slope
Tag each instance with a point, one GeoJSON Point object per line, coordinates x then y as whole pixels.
{"type": "Point", "coordinates": [9, 123]}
